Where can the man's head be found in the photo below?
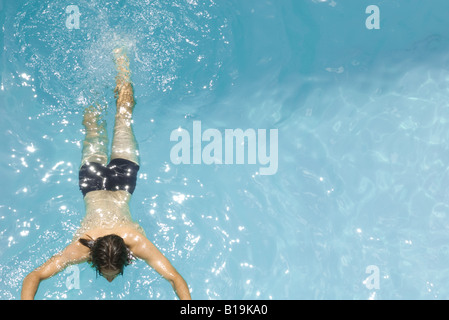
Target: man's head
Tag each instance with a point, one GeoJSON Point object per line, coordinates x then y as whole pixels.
{"type": "Point", "coordinates": [109, 255]}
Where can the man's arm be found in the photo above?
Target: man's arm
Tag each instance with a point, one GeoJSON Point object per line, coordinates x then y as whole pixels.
{"type": "Point", "coordinates": [70, 255]}
{"type": "Point", "coordinates": [145, 250]}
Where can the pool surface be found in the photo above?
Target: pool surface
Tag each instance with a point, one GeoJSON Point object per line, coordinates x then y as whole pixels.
{"type": "Point", "coordinates": [357, 207]}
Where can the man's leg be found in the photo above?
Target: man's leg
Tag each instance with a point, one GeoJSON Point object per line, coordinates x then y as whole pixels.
{"type": "Point", "coordinates": [95, 144]}
{"type": "Point", "coordinates": [124, 144]}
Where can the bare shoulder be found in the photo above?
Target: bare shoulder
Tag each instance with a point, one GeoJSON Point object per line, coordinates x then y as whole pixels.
{"type": "Point", "coordinates": [133, 238]}
{"type": "Point", "coordinates": [137, 242]}
{"type": "Point", "coordinates": [140, 245]}
{"type": "Point", "coordinates": [74, 253]}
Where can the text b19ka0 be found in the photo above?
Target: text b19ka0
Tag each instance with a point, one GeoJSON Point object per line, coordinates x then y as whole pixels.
{"type": "Point", "coordinates": [254, 142]}
{"type": "Point", "coordinates": [246, 309]}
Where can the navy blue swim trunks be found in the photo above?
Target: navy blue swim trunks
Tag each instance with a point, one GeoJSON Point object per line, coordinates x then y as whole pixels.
{"type": "Point", "coordinates": [119, 174]}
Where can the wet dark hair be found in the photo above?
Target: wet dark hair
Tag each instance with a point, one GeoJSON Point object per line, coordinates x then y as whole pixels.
{"type": "Point", "coordinates": [109, 252]}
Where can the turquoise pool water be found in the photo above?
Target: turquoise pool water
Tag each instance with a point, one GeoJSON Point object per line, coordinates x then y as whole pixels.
{"type": "Point", "coordinates": [358, 208]}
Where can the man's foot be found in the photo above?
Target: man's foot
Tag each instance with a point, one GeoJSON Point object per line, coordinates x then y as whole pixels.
{"type": "Point", "coordinates": [123, 90]}
{"type": "Point", "coordinates": [122, 65]}
{"type": "Point", "coordinates": [92, 117]}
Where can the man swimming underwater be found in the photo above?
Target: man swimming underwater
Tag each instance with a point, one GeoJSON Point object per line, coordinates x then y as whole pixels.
{"type": "Point", "coordinates": [108, 237]}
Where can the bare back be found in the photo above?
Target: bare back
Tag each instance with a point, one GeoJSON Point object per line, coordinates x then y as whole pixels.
{"type": "Point", "coordinates": [108, 211]}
